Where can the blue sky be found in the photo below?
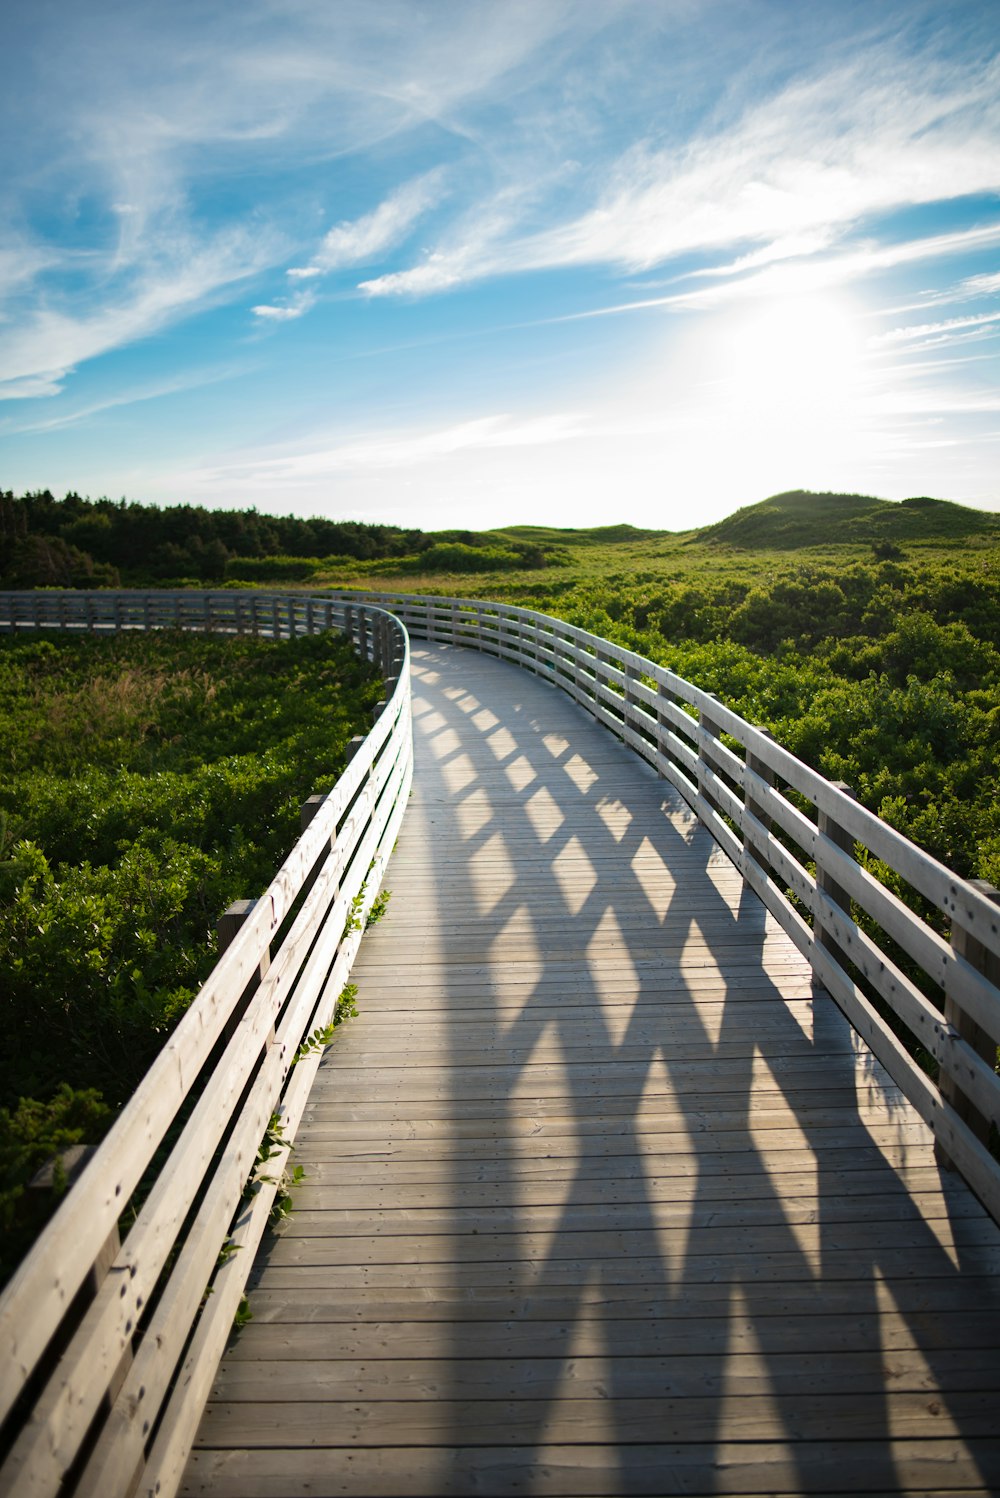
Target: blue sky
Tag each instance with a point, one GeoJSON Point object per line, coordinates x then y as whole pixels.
{"type": "Point", "coordinates": [466, 263]}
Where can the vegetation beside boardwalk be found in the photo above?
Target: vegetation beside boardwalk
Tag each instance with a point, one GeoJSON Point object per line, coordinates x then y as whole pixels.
{"type": "Point", "coordinates": [148, 781]}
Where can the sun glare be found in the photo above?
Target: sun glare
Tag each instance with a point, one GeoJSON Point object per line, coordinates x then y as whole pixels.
{"type": "Point", "coordinates": [799, 354]}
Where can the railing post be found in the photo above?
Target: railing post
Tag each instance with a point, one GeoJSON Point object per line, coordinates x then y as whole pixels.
{"type": "Point", "coordinates": [631, 700]}
{"type": "Point", "coordinates": [714, 729]}
{"type": "Point", "coordinates": [309, 808]}
{"type": "Point", "coordinates": [830, 828]}
{"type": "Point", "coordinates": [227, 927]}
{"type": "Point", "coordinates": [756, 808]}
{"type": "Point", "coordinates": [664, 721]}
{"type": "Point", "coordinates": [967, 945]}
{"type": "Point", "coordinates": [71, 1163]}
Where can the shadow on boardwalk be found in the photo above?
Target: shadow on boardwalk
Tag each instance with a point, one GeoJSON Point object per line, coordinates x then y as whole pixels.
{"type": "Point", "coordinates": [603, 1198]}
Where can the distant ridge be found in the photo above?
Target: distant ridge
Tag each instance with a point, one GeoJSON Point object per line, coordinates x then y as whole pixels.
{"type": "Point", "coordinates": [800, 518]}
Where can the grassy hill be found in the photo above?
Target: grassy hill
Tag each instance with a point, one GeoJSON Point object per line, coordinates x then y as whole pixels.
{"type": "Point", "coordinates": [788, 522]}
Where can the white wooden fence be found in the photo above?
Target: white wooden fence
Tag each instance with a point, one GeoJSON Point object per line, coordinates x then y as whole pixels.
{"type": "Point", "coordinates": [108, 1348]}
{"type": "Point", "coordinates": [121, 1408]}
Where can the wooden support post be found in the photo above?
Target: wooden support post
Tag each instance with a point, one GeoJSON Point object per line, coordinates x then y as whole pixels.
{"type": "Point", "coordinates": [714, 730]}
{"type": "Point", "coordinates": [230, 922]}
{"type": "Point", "coordinates": [70, 1164]}
{"type": "Point", "coordinates": [829, 827]}
{"type": "Point", "coordinates": [354, 745]}
{"type": "Point", "coordinates": [663, 721]}
{"type": "Point", "coordinates": [309, 808]}
{"type": "Point", "coordinates": [228, 925]}
{"type": "Point", "coordinates": [631, 700]}
{"type": "Point", "coordinates": [967, 945]}
{"type": "Point", "coordinates": [754, 807]}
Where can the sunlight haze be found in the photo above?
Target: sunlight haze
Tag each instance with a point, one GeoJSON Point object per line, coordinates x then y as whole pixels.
{"type": "Point", "coordinates": [501, 261]}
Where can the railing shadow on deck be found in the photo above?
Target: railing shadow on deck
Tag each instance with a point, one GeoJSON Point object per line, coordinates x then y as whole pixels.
{"type": "Point", "coordinates": [727, 1290]}
{"type": "Point", "coordinates": [827, 868]}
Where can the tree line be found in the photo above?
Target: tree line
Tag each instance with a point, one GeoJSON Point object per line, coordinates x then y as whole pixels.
{"type": "Point", "coordinates": [83, 543]}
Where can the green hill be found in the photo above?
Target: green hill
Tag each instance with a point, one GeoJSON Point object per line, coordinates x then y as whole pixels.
{"type": "Point", "coordinates": [789, 521]}
{"type": "Point", "coordinates": [597, 535]}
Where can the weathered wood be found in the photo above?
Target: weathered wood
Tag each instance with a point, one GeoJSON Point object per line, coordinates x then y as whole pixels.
{"type": "Point", "coordinates": [832, 829]}
{"type": "Point", "coordinates": [982, 1041]}
{"type": "Point", "coordinates": [777, 1470]}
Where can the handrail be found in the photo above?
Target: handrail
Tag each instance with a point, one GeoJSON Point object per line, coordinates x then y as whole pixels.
{"type": "Point", "coordinates": [105, 1399]}
{"type": "Point", "coordinates": [823, 874]}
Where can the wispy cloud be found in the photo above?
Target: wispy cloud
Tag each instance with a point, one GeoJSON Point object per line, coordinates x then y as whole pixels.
{"type": "Point", "coordinates": [366, 239]}
{"type": "Point", "coordinates": [935, 334]}
{"type": "Point", "coordinates": [404, 448]}
{"type": "Point", "coordinates": [131, 397]}
{"type": "Point", "coordinates": [39, 354]}
{"type": "Point", "coordinates": [286, 311]}
{"type": "Point", "coordinates": [795, 173]}
{"type": "Point", "coordinates": [159, 150]}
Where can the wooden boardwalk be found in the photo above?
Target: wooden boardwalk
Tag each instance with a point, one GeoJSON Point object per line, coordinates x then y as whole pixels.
{"type": "Point", "coordinates": [601, 1197]}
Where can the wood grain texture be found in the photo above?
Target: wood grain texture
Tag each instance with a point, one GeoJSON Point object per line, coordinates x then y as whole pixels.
{"type": "Point", "coordinates": [602, 1195]}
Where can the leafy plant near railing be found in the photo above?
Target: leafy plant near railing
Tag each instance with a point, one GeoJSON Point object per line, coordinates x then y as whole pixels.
{"type": "Point", "coordinates": [148, 781]}
{"type": "Point", "coordinates": [376, 911]}
{"type": "Point", "coordinates": [323, 1035]}
{"type": "Point", "coordinates": [275, 1143]}
{"type": "Point", "coordinates": [379, 906]}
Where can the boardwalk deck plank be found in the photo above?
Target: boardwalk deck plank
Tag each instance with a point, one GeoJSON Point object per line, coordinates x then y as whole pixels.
{"type": "Point", "coordinates": [602, 1197]}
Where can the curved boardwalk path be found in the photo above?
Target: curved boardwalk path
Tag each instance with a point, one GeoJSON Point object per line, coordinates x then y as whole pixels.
{"type": "Point", "coordinates": [601, 1198]}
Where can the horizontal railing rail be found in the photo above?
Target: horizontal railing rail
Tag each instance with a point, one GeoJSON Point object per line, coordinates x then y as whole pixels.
{"type": "Point", "coordinates": [108, 1343]}
{"type": "Point", "coordinates": [821, 863]}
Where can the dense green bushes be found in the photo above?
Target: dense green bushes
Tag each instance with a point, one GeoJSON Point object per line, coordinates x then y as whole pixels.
{"type": "Point", "coordinates": [149, 780]}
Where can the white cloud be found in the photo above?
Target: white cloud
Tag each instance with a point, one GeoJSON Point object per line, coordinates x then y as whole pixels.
{"type": "Point", "coordinates": [400, 449]}
{"type": "Point", "coordinates": [286, 311]}
{"type": "Point", "coordinates": [796, 172]}
{"type": "Point", "coordinates": [367, 238]}
{"type": "Point", "coordinates": [32, 386]}
{"type": "Point", "coordinates": [981, 285]}
{"type": "Point", "coordinates": [186, 277]}
{"type": "Point", "coordinates": [128, 397]}
{"type": "Point", "coordinates": [936, 330]}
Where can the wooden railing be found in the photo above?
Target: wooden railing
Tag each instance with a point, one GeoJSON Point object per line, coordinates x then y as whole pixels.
{"type": "Point", "coordinates": [820, 862]}
{"type": "Point", "coordinates": [108, 1345]}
